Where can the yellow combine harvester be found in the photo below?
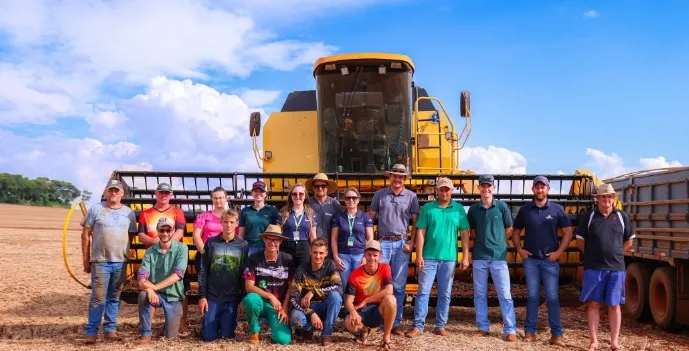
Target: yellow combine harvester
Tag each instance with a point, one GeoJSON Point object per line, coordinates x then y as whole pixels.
{"type": "Point", "coordinates": [365, 115]}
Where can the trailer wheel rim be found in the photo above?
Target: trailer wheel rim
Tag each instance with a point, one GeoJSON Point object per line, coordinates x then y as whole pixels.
{"type": "Point", "coordinates": [659, 303]}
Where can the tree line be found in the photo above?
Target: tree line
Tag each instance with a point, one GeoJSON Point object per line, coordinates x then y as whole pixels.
{"type": "Point", "coordinates": [17, 189]}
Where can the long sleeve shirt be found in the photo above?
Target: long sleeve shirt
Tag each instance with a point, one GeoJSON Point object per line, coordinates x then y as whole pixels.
{"type": "Point", "coordinates": [220, 269]}
{"type": "Point", "coordinates": [322, 282]}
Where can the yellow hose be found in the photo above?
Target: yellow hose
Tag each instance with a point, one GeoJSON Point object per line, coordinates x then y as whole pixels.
{"type": "Point", "coordinates": [64, 240]}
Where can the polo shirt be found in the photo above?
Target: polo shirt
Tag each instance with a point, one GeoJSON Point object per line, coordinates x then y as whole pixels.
{"type": "Point", "coordinates": [360, 222]}
{"type": "Point", "coordinates": [256, 221]}
{"type": "Point", "coordinates": [541, 225]}
{"type": "Point", "coordinates": [604, 238]}
{"type": "Point", "coordinates": [490, 242]}
{"type": "Point", "coordinates": [156, 266]}
{"type": "Point", "coordinates": [325, 213]}
{"type": "Point", "coordinates": [394, 211]}
{"type": "Point", "coordinates": [442, 225]}
{"type": "Point", "coordinates": [290, 229]}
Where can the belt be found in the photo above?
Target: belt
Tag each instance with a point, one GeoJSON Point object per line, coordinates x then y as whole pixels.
{"type": "Point", "coordinates": [392, 237]}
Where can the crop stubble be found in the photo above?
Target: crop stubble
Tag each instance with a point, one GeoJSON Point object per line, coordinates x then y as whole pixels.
{"type": "Point", "coordinates": [43, 308]}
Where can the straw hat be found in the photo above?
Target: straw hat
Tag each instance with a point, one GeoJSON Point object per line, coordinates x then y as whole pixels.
{"type": "Point", "coordinates": [332, 185]}
{"type": "Point", "coordinates": [605, 189]}
{"type": "Point", "coordinates": [398, 169]}
{"type": "Point", "coordinates": [273, 230]}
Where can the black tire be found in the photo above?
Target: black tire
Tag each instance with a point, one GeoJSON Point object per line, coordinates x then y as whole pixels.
{"type": "Point", "coordinates": [636, 286]}
{"type": "Point", "coordinates": [663, 298]}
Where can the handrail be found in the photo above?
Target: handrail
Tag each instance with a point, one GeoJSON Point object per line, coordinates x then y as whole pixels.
{"type": "Point", "coordinates": [453, 150]}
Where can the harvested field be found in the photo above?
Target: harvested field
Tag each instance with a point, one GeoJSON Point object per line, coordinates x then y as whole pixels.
{"type": "Point", "coordinates": [43, 308]}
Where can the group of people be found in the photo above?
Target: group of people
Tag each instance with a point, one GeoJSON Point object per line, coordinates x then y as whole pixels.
{"type": "Point", "coordinates": [293, 269]}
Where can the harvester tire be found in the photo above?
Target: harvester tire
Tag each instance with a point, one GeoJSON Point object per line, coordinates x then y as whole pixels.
{"type": "Point", "coordinates": [636, 286]}
{"type": "Point", "coordinates": [663, 298]}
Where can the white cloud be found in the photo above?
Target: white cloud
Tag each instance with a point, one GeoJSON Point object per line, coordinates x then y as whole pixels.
{"type": "Point", "coordinates": [611, 165]}
{"type": "Point", "coordinates": [63, 50]}
{"type": "Point", "coordinates": [258, 97]}
{"type": "Point", "coordinates": [495, 160]}
{"type": "Point", "coordinates": [591, 14]}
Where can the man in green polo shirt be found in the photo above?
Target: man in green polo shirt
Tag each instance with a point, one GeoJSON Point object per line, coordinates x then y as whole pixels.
{"type": "Point", "coordinates": [436, 254]}
{"type": "Point", "coordinates": [491, 227]}
{"type": "Point", "coordinates": [160, 280]}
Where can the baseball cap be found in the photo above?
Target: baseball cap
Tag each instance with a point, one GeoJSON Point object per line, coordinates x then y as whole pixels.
{"type": "Point", "coordinates": [541, 179]}
{"type": "Point", "coordinates": [164, 187]}
{"type": "Point", "coordinates": [444, 182]}
{"type": "Point", "coordinates": [258, 185]}
{"type": "Point", "coordinates": [114, 183]}
{"type": "Point", "coordinates": [165, 221]}
{"type": "Point", "coordinates": [486, 179]}
{"type": "Point", "coordinates": [373, 245]}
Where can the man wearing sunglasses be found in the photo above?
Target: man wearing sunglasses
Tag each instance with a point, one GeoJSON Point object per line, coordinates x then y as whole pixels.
{"type": "Point", "coordinates": [160, 280]}
{"type": "Point", "coordinates": [324, 206]}
{"type": "Point", "coordinates": [105, 239]}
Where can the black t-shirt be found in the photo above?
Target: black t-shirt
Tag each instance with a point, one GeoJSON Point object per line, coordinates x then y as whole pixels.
{"type": "Point", "coordinates": [604, 238]}
{"type": "Point", "coordinates": [273, 277]}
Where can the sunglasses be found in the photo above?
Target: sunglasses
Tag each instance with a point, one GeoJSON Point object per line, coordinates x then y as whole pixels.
{"type": "Point", "coordinates": [351, 197]}
{"type": "Point", "coordinates": [322, 186]}
{"type": "Point", "coordinates": [297, 194]}
{"type": "Point", "coordinates": [164, 230]}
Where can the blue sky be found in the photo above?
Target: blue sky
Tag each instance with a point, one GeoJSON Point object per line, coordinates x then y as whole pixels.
{"type": "Point", "coordinates": [588, 84]}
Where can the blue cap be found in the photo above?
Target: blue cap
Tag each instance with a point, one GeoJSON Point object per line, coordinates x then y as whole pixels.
{"type": "Point", "coordinates": [258, 185]}
{"type": "Point", "coordinates": [541, 179]}
{"type": "Point", "coordinates": [486, 179]}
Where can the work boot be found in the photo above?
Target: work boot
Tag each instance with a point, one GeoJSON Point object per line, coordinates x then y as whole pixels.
{"type": "Point", "coordinates": [397, 331]}
{"type": "Point", "coordinates": [145, 340]}
{"type": "Point", "coordinates": [112, 336]}
{"type": "Point", "coordinates": [413, 333]}
{"type": "Point", "coordinates": [90, 340]}
{"type": "Point", "coordinates": [511, 338]}
{"type": "Point", "coordinates": [529, 337]}
{"type": "Point", "coordinates": [557, 341]}
{"type": "Point", "coordinates": [441, 332]}
{"type": "Point", "coordinates": [326, 340]}
{"type": "Point", "coordinates": [481, 333]}
{"type": "Point", "coordinates": [253, 338]}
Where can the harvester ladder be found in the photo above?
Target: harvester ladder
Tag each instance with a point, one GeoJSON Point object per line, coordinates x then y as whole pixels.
{"type": "Point", "coordinates": [440, 134]}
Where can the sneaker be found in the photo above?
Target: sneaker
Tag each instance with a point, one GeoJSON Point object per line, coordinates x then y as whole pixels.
{"type": "Point", "coordinates": [511, 338]}
{"type": "Point", "coordinates": [557, 341]}
{"type": "Point", "coordinates": [529, 337]}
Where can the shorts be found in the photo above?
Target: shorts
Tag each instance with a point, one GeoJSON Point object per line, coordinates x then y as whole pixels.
{"type": "Point", "coordinates": [370, 316]}
{"type": "Point", "coordinates": [603, 286]}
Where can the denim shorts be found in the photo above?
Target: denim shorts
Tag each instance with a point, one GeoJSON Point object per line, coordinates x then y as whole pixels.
{"type": "Point", "coordinates": [603, 286]}
{"type": "Point", "coordinates": [370, 316]}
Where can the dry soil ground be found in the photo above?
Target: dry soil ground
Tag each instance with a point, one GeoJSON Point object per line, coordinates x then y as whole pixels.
{"type": "Point", "coordinates": [43, 308]}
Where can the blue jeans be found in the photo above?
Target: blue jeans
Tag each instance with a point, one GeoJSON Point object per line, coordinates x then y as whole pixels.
{"type": "Point", "coordinates": [547, 271]}
{"type": "Point", "coordinates": [107, 279]}
{"type": "Point", "coordinates": [172, 310]}
{"type": "Point", "coordinates": [445, 273]}
{"type": "Point", "coordinates": [399, 264]}
{"type": "Point", "coordinates": [351, 262]}
{"type": "Point", "coordinates": [501, 278]}
{"type": "Point", "coordinates": [219, 320]}
{"type": "Point", "coordinates": [327, 310]}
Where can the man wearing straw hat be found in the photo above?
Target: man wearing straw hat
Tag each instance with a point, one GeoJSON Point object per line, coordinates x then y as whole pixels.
{"type": "Point", "coordinates": [396, 208]}
{"type": "Point", "coordinates": [324, 206]}
{"type": "Point", "coordinates": [267, 278]}
{"type": "Point", "coordinates": [606, 233]}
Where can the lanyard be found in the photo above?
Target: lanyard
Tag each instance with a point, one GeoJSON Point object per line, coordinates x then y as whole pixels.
{"type": "Point", "coordinates": [297, 222]}
{"type": "Point", "coordinates": [350, 221]}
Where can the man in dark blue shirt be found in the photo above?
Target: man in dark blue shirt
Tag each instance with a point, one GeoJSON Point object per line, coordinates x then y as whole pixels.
{"type": "Point", "coordinates": [541, 251]}
{"type": "Point", "coordinates": [607, 233]}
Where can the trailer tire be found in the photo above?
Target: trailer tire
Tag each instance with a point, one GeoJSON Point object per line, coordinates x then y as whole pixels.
{"type": "Point", "coordinates": [663, 298]}
{"type": "Point", "coordinates": [636, 286]}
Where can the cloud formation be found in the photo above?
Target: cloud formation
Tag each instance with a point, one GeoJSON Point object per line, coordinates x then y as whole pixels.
{"type": "Point", "coordinates": [611, 165]}
{"type": "Point", "coordinates": [591, 14]}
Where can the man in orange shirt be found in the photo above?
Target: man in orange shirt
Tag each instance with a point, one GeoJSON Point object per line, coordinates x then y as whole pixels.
{"type": "Point", "coordinates": [148, 233]}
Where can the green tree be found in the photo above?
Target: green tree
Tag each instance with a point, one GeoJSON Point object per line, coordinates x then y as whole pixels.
{"type": "Point", "coordinates": [17, 189]}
